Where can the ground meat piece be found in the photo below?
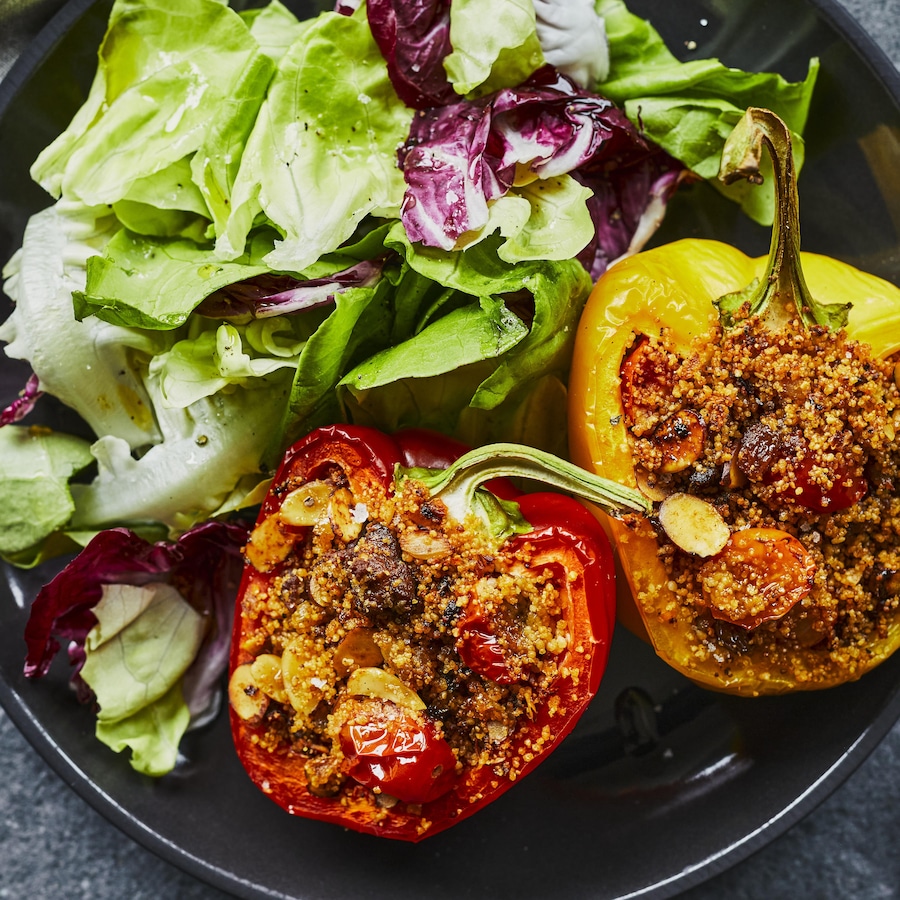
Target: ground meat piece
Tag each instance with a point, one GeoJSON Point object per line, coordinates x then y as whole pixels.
{"type": "Point", "coordinates": [324, 776]}
{"type": "Point", "coordinates": [380, 581]}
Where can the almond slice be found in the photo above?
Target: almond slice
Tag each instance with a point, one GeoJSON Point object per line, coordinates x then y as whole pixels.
{"type": "Point", "coordinates": [693, 524]}
{"type": "Point", "coordinates": [306, 504]}
{"type": "Point", "coordinates": [370, 681]}
{"type": "Point", "coordinates": [266, 672]}
{"type": "Point", "coordinates": [245, 696]}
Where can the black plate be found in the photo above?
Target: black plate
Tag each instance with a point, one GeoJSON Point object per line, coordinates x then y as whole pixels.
{"type": "Point", "coordinates": [710, 778]}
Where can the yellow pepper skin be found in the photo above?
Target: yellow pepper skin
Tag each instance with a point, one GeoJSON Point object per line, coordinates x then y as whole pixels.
{"type": "Point", "coordinates": [673, 288]}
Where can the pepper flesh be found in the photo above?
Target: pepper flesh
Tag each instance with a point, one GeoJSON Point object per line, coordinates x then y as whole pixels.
{"type": "Point", "coordinates": [399, 775]}
{"type": "Point", "coordinates": [672, 292]}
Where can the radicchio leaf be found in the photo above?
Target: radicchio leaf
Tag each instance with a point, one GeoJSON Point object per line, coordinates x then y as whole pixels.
{"type": "Point", "coordinates": [276, 295]}
{"type": "Point", "coordinates": [414, 37]}
{"type": "Point", "coordinates": [23, 404]}
{"type": "Point", "coordinates": [205, 566]}
{"type": "Point", "coordinates": [460, 157]}
{"type": "Point", "coordinates": [628, 204]}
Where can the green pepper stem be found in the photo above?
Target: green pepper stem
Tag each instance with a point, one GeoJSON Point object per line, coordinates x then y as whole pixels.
{"type": "Point", "coordinates": [782, 293]}
{"type": "Point", "coordinates": [456, 485]}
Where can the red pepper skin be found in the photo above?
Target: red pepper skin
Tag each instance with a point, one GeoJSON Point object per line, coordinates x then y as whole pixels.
{"type": "Point", "coordinates": [402, 758]}
{"type": "Point", "coordinates": [420, 447]}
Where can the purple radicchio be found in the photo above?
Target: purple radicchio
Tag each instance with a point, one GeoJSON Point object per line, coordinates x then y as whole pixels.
{"type": "Point", "coordinates": [277, 295]}
{"type": "Point", "coordinates": [460, 157]}
{"type": "Point", "coordinates": [414, 38]}
{"type": "Point", "coordinates": [630, 193]}
{"type": "Point", "coordinates": [204, 565]}
{"type": "Point", "coordinates": [23, 404]}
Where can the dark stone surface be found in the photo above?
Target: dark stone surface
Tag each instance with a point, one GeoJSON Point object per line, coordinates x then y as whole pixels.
{"type": "Point", "coordinates": [52, 845]}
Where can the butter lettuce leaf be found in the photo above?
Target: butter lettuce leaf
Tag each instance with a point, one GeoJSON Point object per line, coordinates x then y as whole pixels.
{"type": "Point", "coordinates": [169, 72]}
{"type": "Point", "coordinates": [93, 367]}
{"type": "Point", "coordinates": [152, 733]}
{"type": "Point", "coordinates": [143, 282]}
{"type": "Point", "coordinates": [145, 638]}
{"type": "Point", "coordinates": [35, 500]}
{"type": "Point", "coordinates": [689, 108]}
{"type": "Point", "coordinates": [490, 58]}
{"type": "Point", "coordinates": [316, 169]}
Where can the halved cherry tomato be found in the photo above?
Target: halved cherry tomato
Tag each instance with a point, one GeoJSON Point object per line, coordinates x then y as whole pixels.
{"type": "Point", "coordinates": [759, 576]}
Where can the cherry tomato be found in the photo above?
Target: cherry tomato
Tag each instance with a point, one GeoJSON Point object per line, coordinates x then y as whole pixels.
{"type": "Point", "coordinates": [759, 576]}
{"type": "Point", "coordinates": [399, 754]}
{"type": "Point", "coordinates": [480, 650]}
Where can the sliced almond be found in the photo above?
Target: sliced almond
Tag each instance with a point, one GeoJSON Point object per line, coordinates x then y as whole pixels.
{"type": "Point", "coordinates": [422, 544]}
{"type": "Point", "coordinates": [303, 693]}
{"type": "Point", "coordinates": [681, 439]}
{"type": "Point", "coordinates": [245, 696]}
{"type": "Point", "coordinates": [373, 682]}
{"type": "Point", "coordinates": [693, 524]}
{"type": "Point", "coordinates": [347, 516]}
{"type": "Point", "coordinates": [648, 485]}
{"type": "Point", "coordinates": [732, 478]}
{"type": "Point", "coordinates": [356, 651]}
{"type": "Point", "coordinates": [306, 505]}
{"type": "Point", "coordinates": [268, 545]}
{"type": "Point", "coordinates": [266, 671]}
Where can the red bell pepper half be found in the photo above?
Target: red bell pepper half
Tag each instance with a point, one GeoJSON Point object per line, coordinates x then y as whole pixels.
{"type": "Point", "coordinates": [407, 644]}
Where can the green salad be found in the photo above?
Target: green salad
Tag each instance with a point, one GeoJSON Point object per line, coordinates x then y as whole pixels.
{"type": "Point", "coordinates": [389, 214]}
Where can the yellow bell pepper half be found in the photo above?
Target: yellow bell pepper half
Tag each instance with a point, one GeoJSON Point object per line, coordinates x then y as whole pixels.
{"type": "Point", "coordinates": [673, 290]}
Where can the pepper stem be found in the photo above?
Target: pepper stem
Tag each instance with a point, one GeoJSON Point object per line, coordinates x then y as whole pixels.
{"type": "Point", "coordinates": [456, 486]}
{"type": "Point", "coordinates": [782, 293]}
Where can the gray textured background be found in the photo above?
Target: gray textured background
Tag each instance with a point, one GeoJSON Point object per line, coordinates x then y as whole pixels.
{"type": "Point", "coordinates": [52, 845]}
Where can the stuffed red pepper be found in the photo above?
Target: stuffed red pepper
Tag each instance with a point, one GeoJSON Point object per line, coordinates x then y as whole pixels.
{"type": "Point", "coordinates": [408, 644]}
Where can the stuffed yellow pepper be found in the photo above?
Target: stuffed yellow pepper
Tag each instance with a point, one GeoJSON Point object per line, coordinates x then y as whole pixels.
{"type": "Point", "coordinates": [756, 403]}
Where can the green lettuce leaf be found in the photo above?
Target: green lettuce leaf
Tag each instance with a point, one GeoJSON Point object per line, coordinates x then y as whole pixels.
{"type": "Point", "coordinates": [170, 74]}
{"type": "Point", "coordinates": [95, 368]}
{"type": "Point", "coordinates": [222, 357]}
{"type": "Point", "coordinates": [357, 324]}
{"type": "Point", "coordinates": [166, 204]}
{"type": "Point", "coordinates": [142, 282]}
{"type": "Point", "coordinates": [479, 349]}
{"type": "Point", "coordinates": [35, 500]}
{"type": "Point", "coordinates": [545, 219]}
{"type": "Point", "coordinates": [274, 27]}
{"type": "Point", "coordinates": [314, 168]}
{"type": "Point", "coordinates": [209, 460]}
{"type": "Point", "coordinates": [152, 734]}
{"type": "Point", "coordinates": [466, 335]}
{"type": "Point", "coordinates": [689, 108]}
{"type": "Point", "coordinates": [490, 58]}
{"type": "Point", "coordinates": [144, 640]}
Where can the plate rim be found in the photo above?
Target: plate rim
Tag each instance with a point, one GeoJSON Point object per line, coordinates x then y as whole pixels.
{"type": "Point", "coordinates": [15, 705]}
